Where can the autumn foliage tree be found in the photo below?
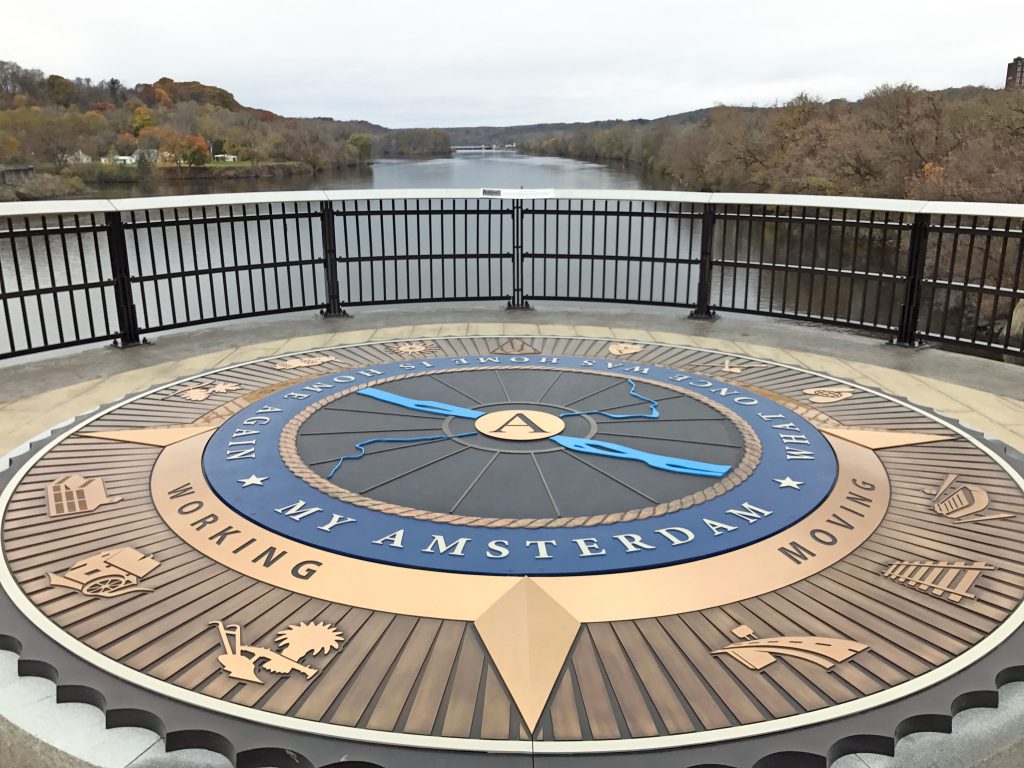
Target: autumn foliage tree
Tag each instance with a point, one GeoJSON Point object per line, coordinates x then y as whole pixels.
{"type": "Point", "coordinates": [44, 119]}
{"type": "Point", "coordinates": [49, 134]}
{"type": "Point", "coordinates": [195, 150]}
{"type": "Point", "coordinates": [142, 118]}
{"type": "Point", "coordinates": [898, 141]}
{"type": "Point", "coordinates": [250, 138]}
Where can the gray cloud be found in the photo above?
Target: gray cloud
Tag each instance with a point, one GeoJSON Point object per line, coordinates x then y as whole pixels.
{"type": "Point", "coordinates": [404, 63]}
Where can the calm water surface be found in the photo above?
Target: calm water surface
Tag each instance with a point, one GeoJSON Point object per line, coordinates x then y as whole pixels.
{"type": "Point", "coordinates": [464, 170]}
{"type": "Point", "coordinates": [186, 270]}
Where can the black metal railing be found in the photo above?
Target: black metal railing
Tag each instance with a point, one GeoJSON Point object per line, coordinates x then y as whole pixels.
{"type": "Point", "coordinates": [199, 264]}
{"type": "Point", "coordinates": [639, 251]}
{"type": "Point", "coordinates": [400, 250]}
{"type": "Point", "coordinates": [828, 265]}
{"type": "Point", "coordinates": [80, 272]}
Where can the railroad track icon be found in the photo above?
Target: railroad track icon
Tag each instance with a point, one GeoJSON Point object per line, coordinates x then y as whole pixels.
{"type": "Point", "coordinates": [951, 581]}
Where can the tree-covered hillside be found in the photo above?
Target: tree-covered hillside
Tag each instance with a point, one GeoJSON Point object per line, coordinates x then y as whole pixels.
{"type": "Point", "coordinates": [53, 122]}
{"type": "Point", "coordinates": [898, 141]}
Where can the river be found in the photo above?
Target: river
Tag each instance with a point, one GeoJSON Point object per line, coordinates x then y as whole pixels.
{"type": "Point", "coordinates": [185, 269]}
{"type": "Point", "coordinates": [463, 170]}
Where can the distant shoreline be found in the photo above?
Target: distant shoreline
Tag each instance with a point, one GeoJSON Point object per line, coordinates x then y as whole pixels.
{"type": "Point", "coordinates": [101, 179]}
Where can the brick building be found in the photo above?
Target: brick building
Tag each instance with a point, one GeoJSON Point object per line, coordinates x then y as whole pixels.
{"type": "Point", "coordinates": [1015, 74]}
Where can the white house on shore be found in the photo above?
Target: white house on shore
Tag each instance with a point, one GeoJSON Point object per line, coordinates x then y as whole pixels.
{"type": "Point", "coordinates": [146, 156]}
{"type": "Point", "coordinates": [78, 157]}
{"type": "Point", "coordinates": [224, 158]}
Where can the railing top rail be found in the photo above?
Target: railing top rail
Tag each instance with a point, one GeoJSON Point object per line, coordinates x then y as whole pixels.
{"type": "Point", "coordinates": [1000, 210]}
{"type": "Point", "coordinates": [199, 201]}
{"type": "Point", "coordinates": [41, 207]}
{"type": "Point", "coordinates": [821, 201]}
{"type": "Point", "coordinates": [634, 194]}
{"type": "Point", "coordinates": [716, 198]}
{"type": "Point", "coordinates": [446, 194]}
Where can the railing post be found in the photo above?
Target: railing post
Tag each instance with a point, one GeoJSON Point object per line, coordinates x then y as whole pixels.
{"type": "Point", "coordinates": [518, 300]}
{"type": "Point", "coordinates": [703, 310]}
{"type": "Point", "coordinates": [910, 310]}
{"type": "Point", "coordinates": [330, 243]}
{"type": "Point", "coordinates": [127, 320]}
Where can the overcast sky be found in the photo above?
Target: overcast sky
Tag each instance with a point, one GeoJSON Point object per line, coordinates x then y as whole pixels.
{"type": "Point", "coordinates": [445, 63]}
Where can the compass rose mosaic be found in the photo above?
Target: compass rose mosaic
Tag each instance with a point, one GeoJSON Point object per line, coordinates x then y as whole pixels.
{"type": "Point", "coordinates": [550, 550]}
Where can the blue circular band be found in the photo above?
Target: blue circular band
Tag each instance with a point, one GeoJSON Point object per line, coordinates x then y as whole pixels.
{"type": "Point", "coordinates": [247, 445]}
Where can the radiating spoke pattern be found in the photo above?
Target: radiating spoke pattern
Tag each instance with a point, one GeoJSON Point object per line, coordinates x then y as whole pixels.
{"type": "Point", "coordinates": [412, 442]}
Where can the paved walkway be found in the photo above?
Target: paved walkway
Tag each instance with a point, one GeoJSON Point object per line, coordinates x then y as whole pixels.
{"type": "Point", "coordinates": [39, 392]}
{"type": "Point", "coordinates": [36, 393]}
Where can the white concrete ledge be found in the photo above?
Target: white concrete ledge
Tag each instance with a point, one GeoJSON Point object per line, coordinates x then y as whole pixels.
{"type": "Point", "coordinates": [36, 208]}
{"type": "Point", "coordinates": [975, 209]}
{"type": "Point", "coordinates": [824, 201]}
{"type": "Point", "coordinates": [41, 207]}
{"type": "Point", "coordinates": [198, 201]}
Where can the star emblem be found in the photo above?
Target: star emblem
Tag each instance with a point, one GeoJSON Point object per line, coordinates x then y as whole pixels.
{"type": "Point", "coordinates": [252, 480]}
{"type": "Point", "coordinates": [789, 482]}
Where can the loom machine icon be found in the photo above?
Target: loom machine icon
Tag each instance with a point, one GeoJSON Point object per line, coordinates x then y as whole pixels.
{"type": "Point", "coordinates": [962, 502]}
{"type": "Point", "coordinates": [297, 641]}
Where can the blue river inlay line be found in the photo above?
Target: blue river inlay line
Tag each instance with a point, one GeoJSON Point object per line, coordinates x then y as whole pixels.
{"type": "Point", "coordinates": [290, 506]}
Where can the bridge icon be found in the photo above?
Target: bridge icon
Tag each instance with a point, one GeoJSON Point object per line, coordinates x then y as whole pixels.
{"type": "Point", "coordinates": [486, 148]}
{"type": "Point", "coordinates": [756, 654]}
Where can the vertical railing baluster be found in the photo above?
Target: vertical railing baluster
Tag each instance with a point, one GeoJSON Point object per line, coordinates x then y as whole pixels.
{"type": "Point", "coordinates": [946, 262]}
{"type": "Point", "coordinates": [518, 300]}
{"type": "Point", "coordinates": [6, 302]}
{"type": "Point", "coordinates": [127, 320]}
{"type": "Point", "coordinates": [330, 248]}
{"type": "Point", "coordinates": [910, 310]}
{"type": "Point", "coordinates": [703, 310]}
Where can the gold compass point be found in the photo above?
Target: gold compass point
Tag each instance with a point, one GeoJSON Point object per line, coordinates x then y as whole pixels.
{"type": "Point", "coordinates": [528, 634]}
{"type": "Point", "coordinates": [519, 424]}
{"type": "Point", "coordinates": [156, 436]}
{"type": "Point", "coordinates": [877, 439]}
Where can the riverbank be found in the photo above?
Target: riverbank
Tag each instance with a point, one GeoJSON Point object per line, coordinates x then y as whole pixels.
{"type": "Point", "coordinates": [115, 181]}
{"type": "Point", "coordinates": [104, 180]}
{"type": "Point", "coordinates": [96, 173]}
{"type": "Point", "coordinates": [458, 171]}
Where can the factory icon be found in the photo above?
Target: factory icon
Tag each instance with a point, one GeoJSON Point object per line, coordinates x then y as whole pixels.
{"type": "Point", "coordinates": [76, 495]}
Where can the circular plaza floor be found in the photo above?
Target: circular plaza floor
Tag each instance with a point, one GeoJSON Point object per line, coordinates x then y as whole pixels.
{"type": "Point", "coordinates": [527, 539]}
